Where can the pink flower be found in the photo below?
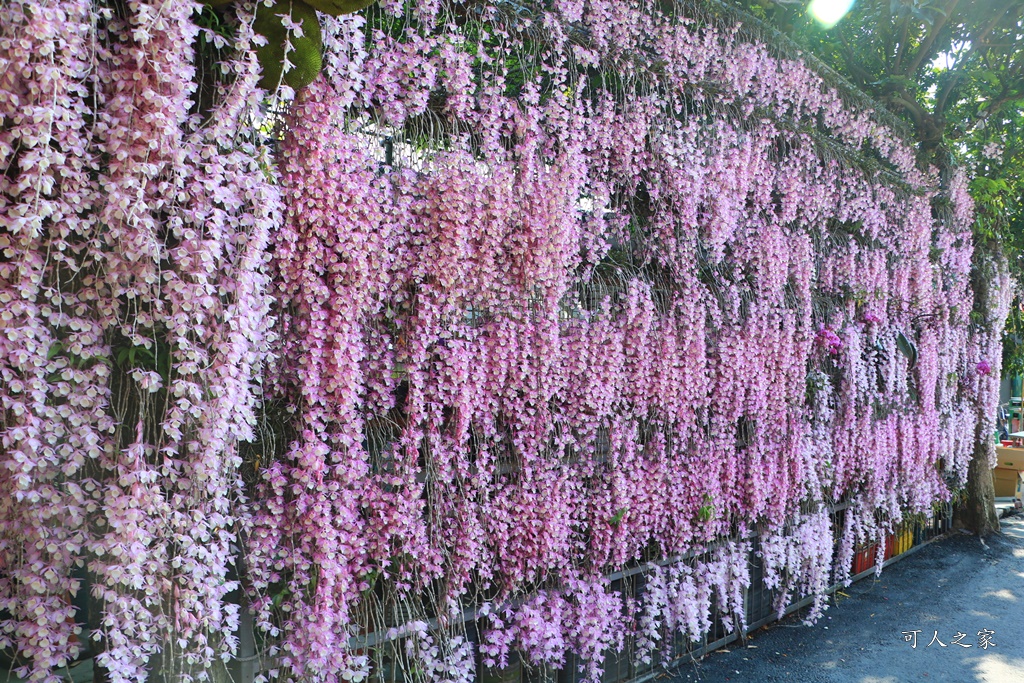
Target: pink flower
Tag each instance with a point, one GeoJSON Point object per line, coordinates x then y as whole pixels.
{"type": "Point", "coordinates": [523, 330]}
{"type": "Point", "coordinates": [829, 340]}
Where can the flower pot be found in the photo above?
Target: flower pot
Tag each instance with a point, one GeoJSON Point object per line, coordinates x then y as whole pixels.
{"type": "Point", "coordinates": [864, 559]}
{"type": "Point", "coordinates": [904, 540]}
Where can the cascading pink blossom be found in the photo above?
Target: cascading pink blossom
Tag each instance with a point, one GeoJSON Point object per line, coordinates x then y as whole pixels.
{"type": "Point", "coordinates": [557, 292]}
{"type": "Point", "coordinates": [618, 323]}
{"type": "Point", "coordinates": [134, 301]}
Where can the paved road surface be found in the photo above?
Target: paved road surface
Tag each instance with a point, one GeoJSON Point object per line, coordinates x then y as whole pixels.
{"type": "Point", "coordinates": [952, 586]}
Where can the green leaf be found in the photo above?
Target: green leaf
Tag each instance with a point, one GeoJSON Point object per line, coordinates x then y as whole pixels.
{"type": "Point", "coordinates": [907, 348]}
{"type": "Point", "coordinates": [707, 510]}
{"type": "Point", "coordinates": [55, 350]}
{"type": "Point", "coordinates": [705, 513]}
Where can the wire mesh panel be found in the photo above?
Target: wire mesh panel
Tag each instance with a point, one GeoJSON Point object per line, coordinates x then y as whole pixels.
{"type": "Point", "coordinates": [761, 606]}
{"type": "Point", "coordinates": [760, 600]}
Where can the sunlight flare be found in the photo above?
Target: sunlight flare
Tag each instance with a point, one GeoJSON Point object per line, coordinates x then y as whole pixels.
{"type": "Point", "coordinates": [829, 12]}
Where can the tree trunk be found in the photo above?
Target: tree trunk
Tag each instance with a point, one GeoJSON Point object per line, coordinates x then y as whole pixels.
{"type": "Point", "coordinates": [978, 512]}
{"type": "Point", "coordinates": [990, 280]}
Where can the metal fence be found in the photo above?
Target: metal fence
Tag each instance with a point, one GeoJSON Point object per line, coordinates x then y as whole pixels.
{"type": "Point", "coordinates": [760, 608]}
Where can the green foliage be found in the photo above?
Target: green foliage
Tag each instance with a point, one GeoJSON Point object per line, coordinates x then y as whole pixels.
{"type": "Point", "coordinates": [941, 64]}
{"type": "Point", "coordinates": [210, 19]}
{"type": "Point", "coordinates": [907, 348]}
{"type": "Point", "coordinates": [143, 355]}
{"type": "Point", "coordinates": [707, 511]}
{"type": "Point", "coordinates": [306, 51]}
{"type": "Point", "coordinates": [337, 7]}
{"type": "Point", "coordinates": [1013, 342]}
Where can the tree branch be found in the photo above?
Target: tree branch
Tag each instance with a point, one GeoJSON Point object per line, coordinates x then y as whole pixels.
{"type": "Point", "coordinates": [978, 46]}
{"type": "Point", "coordinates": [912, 107]}
{"type": "Point", "coordinates": [924, 50]}
{"type": "Point", "coordinates": [859, 76]}
{"type": "Point", "coordinates": [902, 41]}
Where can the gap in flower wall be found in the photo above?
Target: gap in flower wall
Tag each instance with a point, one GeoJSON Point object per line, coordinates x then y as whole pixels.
{"type": "Point", "coordinates": [520, 297]}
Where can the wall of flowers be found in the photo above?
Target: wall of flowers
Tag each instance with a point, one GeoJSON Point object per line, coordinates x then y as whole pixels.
{"type": "Point", "coordinates": [507, 298]}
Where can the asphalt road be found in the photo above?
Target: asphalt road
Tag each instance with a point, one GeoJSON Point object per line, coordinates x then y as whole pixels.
{"type": "Point", "coordinates": [954, 585]}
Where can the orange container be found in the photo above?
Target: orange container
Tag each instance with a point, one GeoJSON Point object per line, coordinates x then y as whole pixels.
{"type": "Point", "coordinates": [864, 559]}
